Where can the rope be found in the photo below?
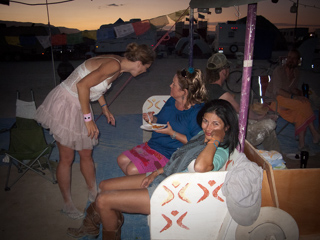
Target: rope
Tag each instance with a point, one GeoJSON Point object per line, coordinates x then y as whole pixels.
{"type": "Point", "coordinates": [158, 43]}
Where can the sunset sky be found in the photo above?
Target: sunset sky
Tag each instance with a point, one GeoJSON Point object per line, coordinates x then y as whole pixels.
{"type": "Point", "coordinates": [91, 14]}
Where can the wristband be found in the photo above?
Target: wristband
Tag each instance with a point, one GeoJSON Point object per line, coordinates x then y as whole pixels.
{"type": "Point", "coordinates": [173, 136]}
{"type": "Point", "coordinates": [157, 172]}
{"type": "Point", "coordinates": [104, 105]}
{"type": "Point", "coordinates": [87, 117]}
{"type": "Point", "coordinates": [214, 142]}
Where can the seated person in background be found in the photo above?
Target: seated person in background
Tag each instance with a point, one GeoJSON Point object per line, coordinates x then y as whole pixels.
{"type": "Point", "coordinates": [131, 194]}
{"type": "Point", "coordinates": [292, 106]}
{"type": "Point", "coordinates": [262, 130]}
{"type": "Point", "coordinates": [187, 93]}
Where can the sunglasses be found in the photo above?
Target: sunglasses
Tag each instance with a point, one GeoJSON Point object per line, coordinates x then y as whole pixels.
{"type": "Point", "coordinates": [184, 73]}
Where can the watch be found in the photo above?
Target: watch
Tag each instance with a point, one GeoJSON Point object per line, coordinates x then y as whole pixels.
{"type": "Point", "coordinates": [173, 136]}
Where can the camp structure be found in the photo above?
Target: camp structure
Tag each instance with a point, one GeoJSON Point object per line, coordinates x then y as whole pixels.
{"type": "Point", "coordinates": [295, 191]}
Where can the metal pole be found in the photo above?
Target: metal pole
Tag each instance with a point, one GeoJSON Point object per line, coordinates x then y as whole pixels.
{"type": "Point", "coordinates": [295, 26]}
{"type": "Point", "coordinates": [52, 58]}
{"type": "Point", "coordinates": [191, 38]}
{"type": "Point", "coordinates": [247, 69]}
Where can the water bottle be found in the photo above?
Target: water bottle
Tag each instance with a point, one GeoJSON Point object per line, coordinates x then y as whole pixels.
{"type": "Point", "coordinates": [305, 90]}
{"type": "Point", "coordinates": [304, 155]}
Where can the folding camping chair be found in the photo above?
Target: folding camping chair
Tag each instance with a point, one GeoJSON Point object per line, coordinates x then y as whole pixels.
{"type": "Point", "coordinates": [28, 148]}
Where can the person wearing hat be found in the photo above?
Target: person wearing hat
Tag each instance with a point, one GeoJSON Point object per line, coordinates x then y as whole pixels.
{"type": "Point", "coordinates": [260, 130]}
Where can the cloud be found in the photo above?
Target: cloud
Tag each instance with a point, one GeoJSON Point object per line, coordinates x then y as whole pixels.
{"type": "Point", "coordinates": [114, 5]}
{"type": "Point", "coordinates": [111, 5]}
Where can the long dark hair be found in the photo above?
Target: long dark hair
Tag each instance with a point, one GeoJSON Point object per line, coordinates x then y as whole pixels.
{"type": "Point", "coordinates": [224, 110]}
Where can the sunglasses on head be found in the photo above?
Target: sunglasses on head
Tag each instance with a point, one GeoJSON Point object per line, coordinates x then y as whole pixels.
{"type": "Point", "coordinates": [184, 73]}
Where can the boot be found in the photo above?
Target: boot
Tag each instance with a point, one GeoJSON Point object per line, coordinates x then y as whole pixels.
{"type": "Point", "coordinates": [90, 225]}
{"type": "Point", "coordinates": [113, 235]}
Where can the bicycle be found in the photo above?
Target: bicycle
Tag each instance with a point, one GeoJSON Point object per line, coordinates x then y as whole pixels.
{"type": "Point", "coordinates": [234, 81]}
{"type": "Point", "coordinates": [316, 65]}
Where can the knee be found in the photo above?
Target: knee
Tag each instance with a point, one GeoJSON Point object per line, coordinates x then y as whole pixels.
{"type": "Point", "coordinates": [122, 160]}
{"type": "Point", "coordinates": [65, 161]}
{"type": "Point", "coordinates": [132, 169]}
{"type": "Point", "coordinates": [102, 201]}
{"type": "Point", "coordinates": [104, 186]}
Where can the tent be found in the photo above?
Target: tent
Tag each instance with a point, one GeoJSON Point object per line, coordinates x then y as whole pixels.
{"type": "Point", "coordinates": [268, 38]}
{"type": "Point", "coordinates": [200, 48]}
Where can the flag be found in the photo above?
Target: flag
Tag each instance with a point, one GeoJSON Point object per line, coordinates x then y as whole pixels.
{"type": "Point", "coordinates": [92, 34]}
{"type": "Point", "coordinates": [124, 30]}
{"type": "Point", "coordinates": [13, 40]}
{"type": "Point", "coordinates": [74, 38]}
{"type": "Point", "coordinates": [59, 39]}
{"type": "Point", "coordinates": [44, 41]}
{"type": "Point", "coordinates": [160, 22]}
{"type": "Point", "coordinates": [105, 33]}
{"type": "Point", "coordinates": [176, 15]}
{"type": "Point", "coordinates": [141, 27]}
{"type": "Point", "coordinates": [28, 40]}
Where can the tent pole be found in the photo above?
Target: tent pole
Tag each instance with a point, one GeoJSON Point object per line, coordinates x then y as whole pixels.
{"type": "Point", "coordinates": [247, 69]}
{"type": "Point", "coordinates": [52, 58]}
{"type": "Point", "coordinates": [191, 38]}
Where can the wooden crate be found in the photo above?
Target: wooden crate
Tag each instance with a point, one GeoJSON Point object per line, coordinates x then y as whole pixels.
{"type": "Point", "coordinates": [296, 191]}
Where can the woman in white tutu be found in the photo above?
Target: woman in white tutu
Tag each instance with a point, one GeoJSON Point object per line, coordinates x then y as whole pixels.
{"type": "Point", "coordinates": [66, 111]}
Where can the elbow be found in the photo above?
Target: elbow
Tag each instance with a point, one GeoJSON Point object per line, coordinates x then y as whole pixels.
{"type": "Point", "coordinates": [203, 167]}
{"type": "Point", "coordinates": [79, 85]}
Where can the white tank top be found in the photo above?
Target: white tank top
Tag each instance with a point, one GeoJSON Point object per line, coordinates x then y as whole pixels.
{"type": "Point", "coordinates": [80, 72]}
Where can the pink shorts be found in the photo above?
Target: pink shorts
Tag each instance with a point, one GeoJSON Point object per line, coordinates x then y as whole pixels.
{"type": "Point", "coordinates": [145, 158]}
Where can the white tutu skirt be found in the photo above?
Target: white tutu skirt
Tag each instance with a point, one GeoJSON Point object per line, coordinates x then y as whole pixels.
{"type": "Point", "coordinates": [61, 113]}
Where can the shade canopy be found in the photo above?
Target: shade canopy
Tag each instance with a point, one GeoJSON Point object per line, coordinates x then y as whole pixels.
{"type": "Point", "coordinates": [220, 3]}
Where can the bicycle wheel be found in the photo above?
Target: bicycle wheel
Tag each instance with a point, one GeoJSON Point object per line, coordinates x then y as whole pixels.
{"type": "Point", "coordinates": [234, 81]}
{"type": "Point", "coordinates": [316, 65]}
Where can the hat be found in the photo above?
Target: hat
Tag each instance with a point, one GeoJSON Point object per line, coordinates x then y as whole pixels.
{"type": "Point", "coordinates": [217, 61]}
{"type": "Point", "coordinates": [272, 223]}
{"type": "Point", "coordinates": [242, 189]}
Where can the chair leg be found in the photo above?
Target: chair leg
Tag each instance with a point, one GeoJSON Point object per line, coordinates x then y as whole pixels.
{"type": "Point", "coordinates": [7, 188]}
{"type": "Point", "coordinates": [28, 167]}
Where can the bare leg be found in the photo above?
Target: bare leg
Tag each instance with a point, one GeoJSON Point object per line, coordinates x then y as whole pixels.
{"type": "Point", "coordinates": [315, 133]}
{"type": "Point", "coordinates": [66, 156]}
{"type": "Point", "coordinates": [301, 136]}
{"type": "Point", "coordinates": [121, 195]}
{"type": "Point", "coordinates": [127, 167]}
{"type": "Point", "coordinates": [88, 171]}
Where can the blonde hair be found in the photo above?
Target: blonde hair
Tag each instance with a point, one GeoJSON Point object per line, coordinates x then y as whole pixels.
{"type": "Point", "coordinates": [194, 83]}
{"type": "Point", "coordinates": [143, 53]}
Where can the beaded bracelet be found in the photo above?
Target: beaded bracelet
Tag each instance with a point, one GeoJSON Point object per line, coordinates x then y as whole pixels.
{"type": "Point", "coordinates": [104, 105]}
{"type": "Point", "coordinates": [214, 142]}
{"type": "Point", "coordinates": [87, 117]}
